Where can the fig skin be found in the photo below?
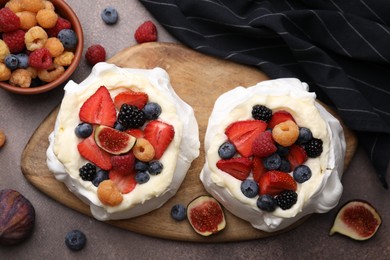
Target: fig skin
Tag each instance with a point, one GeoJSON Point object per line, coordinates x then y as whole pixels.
{"type": "Point", "coordinates": [368, 215]}
{"type": "Point", "coordinates": [195, 206]}
{"type": "Point", "coordinates": [17, 217]}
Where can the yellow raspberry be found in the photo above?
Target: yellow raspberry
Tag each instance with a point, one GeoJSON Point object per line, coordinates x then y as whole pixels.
{"type": "Point", "coordinates": [285, 133]}
{"type": "Point", "coordinates": [21, 78]}
{"type": "Point", "coordinates": [14, 5]}
{"type": "Point", "coordinates": [32, 5]}
{"type": "Point", "coordinates": [65, 59]}
{"type": "Point", "coordinates": [35, 38]}
{"type": "Point", "coordinates": [48, 5]}
{"type": "Point", "coordinates": [4, 50]}
{"type": "Point", "coordinates": [33, 72]}
{"type": "Point", "coordinates": [51, 74]}
{"type": "Point", "coordinates": [47, 18]}
{"type": "Point", "coordinates": [54, 46]}
{"type": "Point", "coordinates": [5, 72]}
{"type": "Point", "coordinates": [27, 19]}
{"type": "Point", "coordinates": [109, 194]}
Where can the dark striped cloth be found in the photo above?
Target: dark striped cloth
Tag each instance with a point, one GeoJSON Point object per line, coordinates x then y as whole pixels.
{"type": "Point", "coordinates": [340, 48]}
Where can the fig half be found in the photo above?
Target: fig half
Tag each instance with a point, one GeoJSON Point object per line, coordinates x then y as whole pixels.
{"type": "Point", "coordinates": [113, 141]}
{"type": "Point", "coordinates": [357, 219]}
{"type": "Point", "coordinates": [205, 215]}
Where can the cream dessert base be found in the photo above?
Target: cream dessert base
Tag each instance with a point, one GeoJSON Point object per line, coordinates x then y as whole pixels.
{"type": "Point", "coordinates": [319, 194]}
{"type": "Point", "coordinates": [64, 160]}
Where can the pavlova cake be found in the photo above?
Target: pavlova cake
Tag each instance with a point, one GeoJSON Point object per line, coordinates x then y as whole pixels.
{"type": "Point", "coordinates": [123, 141]}
{"type": "Point", "coordinates": [273, 154]}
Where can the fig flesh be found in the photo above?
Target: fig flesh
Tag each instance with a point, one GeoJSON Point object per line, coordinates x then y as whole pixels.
{"type": "Point", "coordinates": [113, 141]}
{"type": "Point", "coordinates": [205, 215]}
{"type": "Point", "coordinates": [17, 217]}
{"type": "Point", "coordinates": [357, 219]}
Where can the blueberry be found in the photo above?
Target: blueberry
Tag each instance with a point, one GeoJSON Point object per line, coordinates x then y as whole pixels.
{"type": "Point", "coordinates": [68, 38]}
{"type": "Point", "coordinates": [100, 176]}
{"type": "Point", "coordinates": [282, 150]}
{"type": "Point", "coordinates": [109, 15]}
{"type": "Point", "coordinates": [266, 203]}
{"type": "Point", "coordinates": [226, 150]}
{"type": "Point", "coordinates": [178, 212]}
{"type": "Point", "coordinates": [305, 135]}
{"type": "Point", "coordinates": [272, 162]}
{"type": "Point", "coordinates": [75, 240]}
{"type": "Point", "coordinates": [11, 61]}
{"type": "Point", "coordinates": [155, 167]}
{"type": "Point", "coordinates": [249, 188]}
{"type": "Point", "coordinates": [22, 60]}
{"type": "Point", "coordinates": [152, 110]}
{"type": "Point", "coordinates": [142, 177]}
{"type": "Point", "coordinates": [302, 173]}
{"type": "Point", "coordinates": [285, 166]}
{"type": "Point", "coordinates": [140, 166]}
{"type": "Point", "coordinates": [118, 126]}
{"type": "Point", "coordinates": [83, 130]}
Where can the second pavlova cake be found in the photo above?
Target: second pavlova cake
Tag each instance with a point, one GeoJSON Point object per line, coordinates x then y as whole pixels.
{"type": "Point", "coordinates": [123, 141]}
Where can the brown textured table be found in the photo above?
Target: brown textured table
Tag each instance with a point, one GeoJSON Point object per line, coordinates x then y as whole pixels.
{"type": "Point", "coordinates": [21, 115]}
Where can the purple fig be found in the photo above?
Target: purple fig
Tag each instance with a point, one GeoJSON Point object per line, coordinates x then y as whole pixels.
{"type": "Point", "coordinates": [357, 219]}
{"type": "Point", "coordinates": [205, 215]}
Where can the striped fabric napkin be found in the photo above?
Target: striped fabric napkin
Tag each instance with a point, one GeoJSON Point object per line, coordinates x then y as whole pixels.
{"type": "Point", "coordinates": [340, 48]}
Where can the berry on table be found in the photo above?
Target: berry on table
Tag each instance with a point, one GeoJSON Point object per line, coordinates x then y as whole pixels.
{"type": "Point", "coordinates": [75, 240]}
{"type": "Point", "coordinates": [110, 15]}
{"type": "Point", "coordinates": [87, 172]}
{"type": "Point", "coordinates": [249, 188]}
{"type": "Point", "coordinates": [11, 61]}
{"type": "Point", "coordinates": [226, 150]}
{"type": "Point", "coordinates": [286, 199]}
{"type": "Point", "coordinates": [302, 173]}
{"type": "Point", "coordinates": [152, 110]}
{"type": "Point", "coordinates": [9, 21]}
{"type": "Point", "coordinates": [83, 130]}
{"type": "Point", "coordinates": [266, 202]}
{"type": "Point", "coordinates": [142, 177]}
{"type": "Point", "coordinates": [314, 148]}
{"type": "Point", "coordinates": [146, 32]}
{"type": "Point", "coordinates": [95, 53]}
{"type": "Point", "coordinates": [155, 167]}
{"type": "Point", "coordinates": [261, 112]}
{"type": "Point", "coordinates": [68, 38]}
{"type": "Point", "coordinates": [131, 116]}
{"type": "Point", "coordinates": [178, 212]}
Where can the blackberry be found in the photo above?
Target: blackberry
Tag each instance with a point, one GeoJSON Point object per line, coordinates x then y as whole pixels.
{"type": "Point", "coordinates": [313, 148]}
{"type": "Point", "coordinates": [131, 116]}
{"type": "Point", "coordinates": [88, 172]}
{"type": "Point", "coordinates": [261, 112]}
{"type": "Point", "coordinates": [286, 199]}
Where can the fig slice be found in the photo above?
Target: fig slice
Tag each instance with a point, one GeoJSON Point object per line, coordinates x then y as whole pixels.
{"type": "Point", "coordinates": [113, 141]}
{"type": "Point", "coordinates": [357, 219]}
{"type": "Point", "coordinates": [205, 215]}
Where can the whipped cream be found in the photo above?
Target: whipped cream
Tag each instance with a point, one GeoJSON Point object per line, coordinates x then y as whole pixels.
{"type": "Point", "coordinates": [64, 160]}
{"type": "Point", "coordinates": [317, 195]}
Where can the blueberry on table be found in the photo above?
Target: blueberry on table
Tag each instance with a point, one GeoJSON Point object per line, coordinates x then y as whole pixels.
{"type": "Point", "coordinates": [178, 212]}
{"type": "Point", "coordinates": [110, 15]}
{"type": "Point", "coordinates": [75, 240]}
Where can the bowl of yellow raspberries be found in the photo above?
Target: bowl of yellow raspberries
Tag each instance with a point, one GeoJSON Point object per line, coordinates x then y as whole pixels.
{"type": "Point", "coordinates": [41, 45]}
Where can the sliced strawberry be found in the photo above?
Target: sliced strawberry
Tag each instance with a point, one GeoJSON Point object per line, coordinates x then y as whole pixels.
{"type": "Point", "coordinates": [238, 167]}
{"type": "Point", "coordinates": [137, 133]}
{"type": "Point", "coordinates": [279, 117]}
{"type": "Point", "coordinates": [125, 183]}
{"type": "Point", "coordinates": [99, 109]}
{"type": "Point", "coordinates": [243, 133]}
{"type": "Point", "coordinates": [296, 156]}
{"type": "Point", "coordinates": [274, 182]}
{"type": "Point", "coordinates": [264, 145]}
{"type": "Point", "coordinates": [138, 99]}
{"type": "Point", "coordinates": [160, 135]}
{"type": "Point", "coordinates": [258, 168]}
{"type": "Point", "coordinates": [90, 151]}
{"type": "Point", "coordinates": [123, 164]}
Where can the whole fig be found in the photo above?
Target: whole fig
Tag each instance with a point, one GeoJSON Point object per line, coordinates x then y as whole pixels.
{"type": "Point", "coordinates": [17, 217]}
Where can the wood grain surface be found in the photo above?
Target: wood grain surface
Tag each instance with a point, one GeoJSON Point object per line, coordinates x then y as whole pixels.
{"type": "Point", "coordinates": [199, 80]}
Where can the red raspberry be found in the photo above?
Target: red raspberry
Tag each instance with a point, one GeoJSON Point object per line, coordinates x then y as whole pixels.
{"type": "Point", "coordinates": [61, 24]}
{"type": "Point", "coordinates": [15, 41]}
{"type": "Point", "coordinates": [9, 21]}
{"type": "Point", "coordinates": [95, 53]}
{"type": "Point", "coordinates": [40, 59]}
{"type": "Point", "coordinates": [146, 32]}
{"type": "Point", "coordinates": [264, 145]}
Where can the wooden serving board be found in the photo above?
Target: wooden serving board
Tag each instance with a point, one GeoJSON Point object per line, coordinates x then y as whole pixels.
{"type": "Point", "coordinates": [199, 80]}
